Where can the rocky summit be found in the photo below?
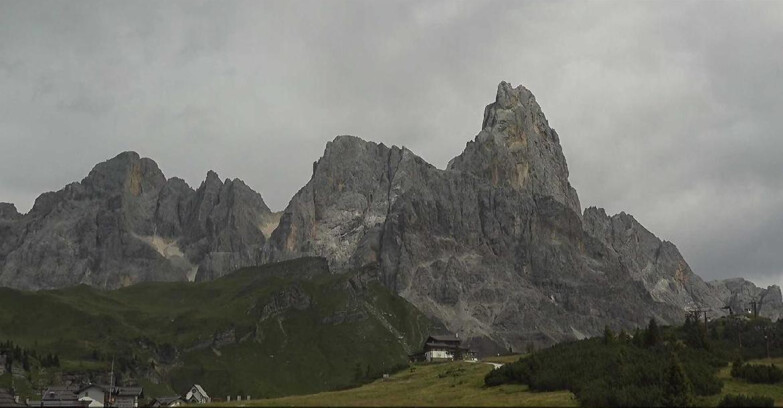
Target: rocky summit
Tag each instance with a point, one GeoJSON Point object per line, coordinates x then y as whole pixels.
{"type": "Point", "coordinates": [126, 223]}
{"type": "Point", "coordinates": [495, 246]}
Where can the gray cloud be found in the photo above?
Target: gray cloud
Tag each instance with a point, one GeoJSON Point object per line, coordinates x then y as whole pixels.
{"type": "Point", "coordinates": [669, 111]}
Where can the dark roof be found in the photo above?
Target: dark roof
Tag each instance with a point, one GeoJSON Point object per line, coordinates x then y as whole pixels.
{"type": "Point", "coordinates": [7, 399]}
{"type": "Point", "coordinates": [446, 345]}
{"type": "Point", "coordinates": [60, 393]}
{"type": "Point", "coordinates": [445, 337]}
{"type": "Point", "coordinates": [128, 391]}
{"type": "Point", "coordinates": [119, 391]}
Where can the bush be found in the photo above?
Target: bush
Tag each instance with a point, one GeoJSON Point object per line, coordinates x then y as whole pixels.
{"type": "Point", "coordinates": [616, 373]}
{"type": "Point", "coordinates": [757, 373]}
{"type": "Point", "coordinates": [733, 400]}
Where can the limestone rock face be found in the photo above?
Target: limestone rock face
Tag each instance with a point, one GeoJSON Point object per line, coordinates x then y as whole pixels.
{"type": "Point", "coordinates": [495, 246]}
{"type": "Point", "coordinates": [126, 223]}
{"type": "Point", "coordinates": [516, 148]}
{"type": "Point", "coordinates": [657, 264]}
{"type": "Point", "coordinates": [739, 293]}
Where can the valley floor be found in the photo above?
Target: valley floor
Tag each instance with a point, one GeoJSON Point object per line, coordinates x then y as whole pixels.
{"type": "Point", "coordinates": [447, 384]}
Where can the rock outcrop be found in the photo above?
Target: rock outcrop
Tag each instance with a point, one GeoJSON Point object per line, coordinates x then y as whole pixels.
{"type": "Point", "coordinates": [126, 223]}
{"type": "Point", "coordinates": [495, 246]}
{"type": "Point", "coordinates": [739, 295]}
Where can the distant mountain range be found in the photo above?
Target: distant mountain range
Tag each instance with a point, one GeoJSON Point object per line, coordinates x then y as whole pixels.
{"type": "Point", "coordinates": [496, 246]}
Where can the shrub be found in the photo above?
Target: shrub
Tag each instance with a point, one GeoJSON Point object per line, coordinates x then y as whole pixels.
{"type": "Point", "coordinates": [757, 373]}
{"type": "Point", "coordinates": [733, 400]}
{"type": "Point", "coordinates": [615, 374]}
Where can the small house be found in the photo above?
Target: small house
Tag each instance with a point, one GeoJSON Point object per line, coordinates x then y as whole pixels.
{"type": "Point", "coordinates": [127, 397]}
{"type": "Point", "coordinates": [61, 396]}
{"type": "Point", "coordinates": [197, 395]}
{"type": "Point", "coordinates": [444, 347]}
{"type": "Point", "coordinates": [94, 395]}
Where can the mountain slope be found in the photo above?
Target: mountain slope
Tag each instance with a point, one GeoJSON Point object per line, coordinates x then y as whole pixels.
{"type": "Point", "coordinates": [279, 329]}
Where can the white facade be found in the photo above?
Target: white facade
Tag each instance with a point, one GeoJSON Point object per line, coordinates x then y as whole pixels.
{"type": "Point", "coordinates": [197, 395]}
{"type": "Point", "coordinates": [94, 395]}
{"type": "Point", "coordinates": [438, 355]}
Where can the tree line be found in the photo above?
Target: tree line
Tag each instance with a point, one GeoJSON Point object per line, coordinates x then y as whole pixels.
{"type": "Point", "coordinates": [653, 366]}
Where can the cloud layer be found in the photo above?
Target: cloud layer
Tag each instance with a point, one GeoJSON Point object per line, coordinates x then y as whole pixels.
{"type": "Point", "coordinates": [668, 111]}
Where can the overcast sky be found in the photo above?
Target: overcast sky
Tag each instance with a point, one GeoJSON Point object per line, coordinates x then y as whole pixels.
{"type": "Point", "coordinates": [670, 111]}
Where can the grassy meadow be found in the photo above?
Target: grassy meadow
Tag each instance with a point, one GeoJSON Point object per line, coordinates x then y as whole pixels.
{"type": "Point", "coordinates": [738, 386]}
{"type": "Point", "coordinates": [444, 384]}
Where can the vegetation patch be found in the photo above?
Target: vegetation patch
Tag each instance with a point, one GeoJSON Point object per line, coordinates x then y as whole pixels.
{"type": "Point", "coordinates": [672, 366]}
{"type": "Point", "coordinates": [757, 373]}
{"type": "Point", "coordinates": [740, 400]}
{"type": "Point", "coordinates": [279, 329]}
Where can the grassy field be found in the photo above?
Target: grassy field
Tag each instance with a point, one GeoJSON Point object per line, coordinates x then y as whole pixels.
{"type": "Point", "coordinates": [447, 384]}
{"type": "Point", "coordinates": [737, 386]}
{"type": "Point", "coordinates": [510, 358]}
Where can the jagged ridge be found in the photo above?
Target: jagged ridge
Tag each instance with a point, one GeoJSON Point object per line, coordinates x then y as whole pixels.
{"type": "Point", "coordinates": [495, 246]}
{"type": "Point", "coordinates": [126, 223]}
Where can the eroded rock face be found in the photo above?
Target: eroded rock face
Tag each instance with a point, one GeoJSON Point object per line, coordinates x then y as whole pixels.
{"type": "Point", "coordinates": [516, 148]}
{"type": "Point", "coordinates": [126, 223]}
{"type": "Point", "coordinates": [739, 295]}
{"type": "Point", "coordinates": [495, 246]}
{"type": "Point", "coordinates": [657, 264]}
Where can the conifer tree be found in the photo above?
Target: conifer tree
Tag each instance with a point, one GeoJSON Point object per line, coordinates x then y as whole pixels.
{"type": "Point", "coordinates": [623, 336]}
{"type": "Point", "coordinates": [608, 335]}
{"type": "Point", "coordinates": [677, 388]}
{"type": "Point", "coordinates": [653, 336]}
{"type": "Point", "coordinates": [637, 338]}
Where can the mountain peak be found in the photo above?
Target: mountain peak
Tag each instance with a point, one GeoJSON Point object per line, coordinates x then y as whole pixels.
{"type": "Point", "coordinates": [126, 171]}
{"type": "Point", "coordinates": [516, 148]}
{"type": "Point", "coordinates": [8, 210]}
{"type": "Point", "coordinates": [507, 96]}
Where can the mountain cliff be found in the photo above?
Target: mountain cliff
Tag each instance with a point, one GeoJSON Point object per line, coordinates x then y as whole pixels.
{"type": "Point", "coordinates": [495, 246]}
{"type": "Point", "coordinates": [126, 223]}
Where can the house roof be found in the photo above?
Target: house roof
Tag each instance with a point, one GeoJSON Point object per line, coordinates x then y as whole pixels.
{"type": "Point", "coordinates": [445, 337]}
{"type": "Point", "coordinates": [128, 391]}
{"type": "Point", "coordinates": [444, 345]}
{"type": "Point", "coordinates": [60, 393]}
{"type": "Point", "coordinates": [199, 389]}
{"type": "Point", "coordinates": [7, 399]}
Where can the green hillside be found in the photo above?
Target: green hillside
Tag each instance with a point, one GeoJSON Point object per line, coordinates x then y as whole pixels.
{"type": "Point", "coordinates": [281, 329]}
